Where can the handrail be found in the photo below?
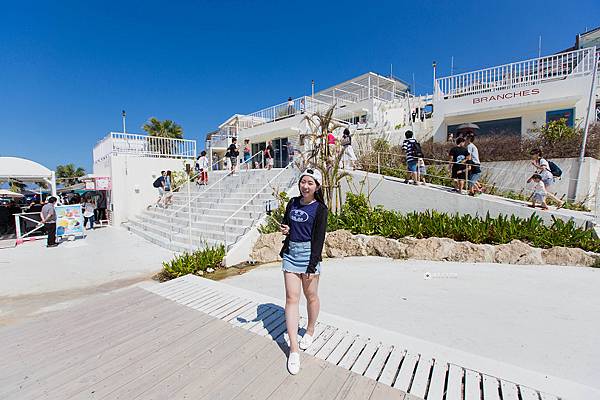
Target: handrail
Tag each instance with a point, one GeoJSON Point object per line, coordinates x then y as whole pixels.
{"type": "Point", "coordinates": [192, 177]}
{"type": "Point", "coordinates": [250, 200]}
{"type": "Point", "coordinates": [209, 187]}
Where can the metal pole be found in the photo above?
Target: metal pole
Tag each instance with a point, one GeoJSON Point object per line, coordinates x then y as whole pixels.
{"type": "Point", "coordinates": [312, 83]}
{"type": "Point", "coordinates": [378, 164]}
{"type": "Point", "coordinates": [189, 195]}
{"type": "Point", "coordinates": [123, 114]}
{"type": "Point", "coordinates": [452, 66]}
{"type": "Point", "coordinates": [587, 120]}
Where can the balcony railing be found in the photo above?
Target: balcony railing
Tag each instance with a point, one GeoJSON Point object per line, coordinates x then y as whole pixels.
{"type": "Point", "coordinates": [143, 146]}
{"type": "Point", "coordinates": [518, 74]}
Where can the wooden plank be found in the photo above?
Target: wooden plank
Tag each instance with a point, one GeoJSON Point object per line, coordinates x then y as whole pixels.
{"type": "Point", "coordinates": [241, 378]}
{"type": "Point", "coordinates": [109, 378]}
{"type": "Point", "coordinates": [239, 304]}
{"type": "Point", "coordinates": [356, 387]}
{"type": "Point", "coordinates": [406, 372]}
{"type": "Point", "coordinates": [295, 386]}
{"type": "Point", "coordinates": [547, 396]}
{"type": "Point", "coordinates": [472, 385]}
{"type": "Point", "coordinates": [528, 393]}
{"type": "Point", "coordinates": [376, 366]}
{"type": "Point", "coordinates": [324, 333]}
{"type": "Point", "coordinates": [75, 378]}
{"type": "Point", "coordinates": [188, 383]}
{"type": "Point", "coordinates": [438, 380]}
{"type": "Point", "coordinates": [491, 388]}
{"type": "Point", "coordinates": [45, 324]}
{"type": "Point", "coordinates": [341, 349]}
{"type": "Point", "coordinates": [363, 361]}
{"type": "Point", "coordinates": [509, 390]}
{"type": "Point", "coordinates": [208, 308]}
{"type": "Point", "coordinates": [79, 317]}
{"type": "Point", "coordinates": [274, 320]}
{"type": "Point", "coordinates": [192, 296]}
{"type": "Point", "coordinates": [177, 290]}
{"type": "Point", "coordinates": [41, 369]}
{"type": "Point", "coordinates": [421, 379]}
{"type": "Point", "coordinates": [234, 315]}
{"type": "Point", "coordinates": [52, 351]}
{"type": "Point", "coordinates": [330, 344]}
{"type": "Point", "coordinates": [176, 371]}
{"type": "Point", "coordinates": [277, 314]}
{"type": "Point", "coordinates": [455, 383]}
{"type": "Point", "coordinates": [328, 384]}
{"type": "Point", "coordinates": [391, 366]}
{"type": "Point", "coordinates": [201, 303]}
{"type": "Point", "coordinates": [264, 314]}
{"type": "Point", "coordinates": [385, 392]}
{"type": "Point", "coordinates": [353, 352]}
{"type": "Point", "coordinates": [277, 332]}
{"type": "Point", "coordinates": [251, 316]}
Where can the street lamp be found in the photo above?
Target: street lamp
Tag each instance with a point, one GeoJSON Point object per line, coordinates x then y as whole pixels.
{"type": "Point", "coordinates": [123, 114]}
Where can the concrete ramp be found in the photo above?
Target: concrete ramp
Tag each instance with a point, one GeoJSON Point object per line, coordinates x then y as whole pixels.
{"type": "Point", "coordinates": [394, 194]}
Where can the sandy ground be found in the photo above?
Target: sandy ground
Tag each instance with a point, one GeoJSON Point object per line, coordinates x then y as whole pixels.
{"type": "Point", "coordinates": [36, 278]}
{"type": "Point", "coordinates": [542, 318]}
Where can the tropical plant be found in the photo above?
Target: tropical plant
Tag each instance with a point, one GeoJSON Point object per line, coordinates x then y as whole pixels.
{"type": "Point", "coordinates": [193, 263]}
{"type": "Point", "coordinates": [558, 130]}
{"type": "Point", "coordinates": [68, 174]}
{"type": "Point", "coordinates": [276, 215]}
{"type": "Point", "coordinates": [163, 129]}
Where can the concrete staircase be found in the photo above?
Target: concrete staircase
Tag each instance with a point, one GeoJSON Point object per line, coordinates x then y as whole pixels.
{"type": "Point", "coordinates": [211, 206]}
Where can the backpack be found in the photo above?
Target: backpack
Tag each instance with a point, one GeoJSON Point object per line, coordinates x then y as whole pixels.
{"type": "Point", "coordinates": [416, 148]}
{"type": "Point", "coordinates": [555, 169]}
{"type": "Point", "coordinates": [158, 182]}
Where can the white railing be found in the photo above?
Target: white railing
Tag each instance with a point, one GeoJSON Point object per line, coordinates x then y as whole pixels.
{"type": "Point", "coordinates": [518, 74]}
{"type": "Point", "coordinates": [143, 146]}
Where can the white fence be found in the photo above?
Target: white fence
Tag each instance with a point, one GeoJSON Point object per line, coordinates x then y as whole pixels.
{"type": "Point", "coordinates": [143, 146]}
{"type": "Point", "coordinates": [518, 74]}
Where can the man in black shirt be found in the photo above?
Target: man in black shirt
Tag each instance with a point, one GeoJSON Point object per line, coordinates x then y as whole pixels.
{"type": "Point", "coordinates": [233, 154]}
{"type": "Point", "coordinates": [459, 155]}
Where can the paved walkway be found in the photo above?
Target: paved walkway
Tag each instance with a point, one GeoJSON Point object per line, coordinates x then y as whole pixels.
{"type": "Point", "coordinates": [539, 318]}
{"type": "Point", "coordinates": [139, 345]}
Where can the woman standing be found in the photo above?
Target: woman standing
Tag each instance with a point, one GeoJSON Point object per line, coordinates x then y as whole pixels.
{"type": "Point", "coordinates": [348, 156]}
{"type": "Point", "coordinates": [247, 153]}
{"type": "Point", "coordinates": [304, 224]}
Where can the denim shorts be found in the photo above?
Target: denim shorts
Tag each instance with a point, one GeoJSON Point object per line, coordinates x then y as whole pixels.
{"type": "Point", "coordinates": [473, 178]}
{"type": "Point", "coordinates": [297, 258]}
{"type": "Point", "coordinates": [538, 197]}
{"type": "Point", "coordinates": [412, 166]}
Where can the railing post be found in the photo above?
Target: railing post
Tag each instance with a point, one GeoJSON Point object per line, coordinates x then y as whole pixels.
{"type": "Point", "coordinates": [18, 225]}
{"type": "Point", "coordinates": [378, 164]}
{"type": "Point", "coordinates": [189, 195]}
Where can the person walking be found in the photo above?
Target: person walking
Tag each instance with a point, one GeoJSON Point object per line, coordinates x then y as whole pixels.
{"type": "Point", "coordinates": [202, 165]}
{"type": "Point", "coordinates": [304, 225]}
{"type": "Point", "coordinates": [331, 145]}
{"type": "Point", "coordinates": [542, 167]}
{"type": "Point", "coordinates": [474, 166]}
{"type": "Point", "coordinates": [269, 155]}
{"type": "Point", "coordinates": [539, 191]}
{"type": "Point", "coordinates": [234, 152]}
{"type": "Point", "coordinates": [290, 107]}
{"type": "Point", "coordinates": [159, 184]}
{"type": "Point", "coordinates": [409, 146]}
{"type": "Point", "coordinates": [247, 153]}
{"type": "Point", "coordinates": [88, 212]}
{"type": "Point", "coordinates": [459, 156]}
{"type": "Point", "coordinates": [168, 196]}
{"type": "Point", "coordinates": [348, 156]}
{"type": "Point", "coordinates": [48, 215]}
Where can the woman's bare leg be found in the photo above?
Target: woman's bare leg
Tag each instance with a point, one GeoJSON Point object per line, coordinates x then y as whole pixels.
{"type": "Point", "coordinates": [310, 286]}
{"type": "Point", "coordinates": [293, 283]}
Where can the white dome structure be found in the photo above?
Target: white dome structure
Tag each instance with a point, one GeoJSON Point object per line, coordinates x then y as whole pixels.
{"type": "Point", "coordinates": [26, 171]}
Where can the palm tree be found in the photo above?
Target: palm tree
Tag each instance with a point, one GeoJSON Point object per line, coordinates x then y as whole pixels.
{"type": "Point", "coordinates": [164, 129]}
{"type": "Point", "coordinates": [68, 174]}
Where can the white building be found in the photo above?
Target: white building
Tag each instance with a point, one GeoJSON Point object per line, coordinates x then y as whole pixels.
{"type": "Point", "coordinates": [133, 162]}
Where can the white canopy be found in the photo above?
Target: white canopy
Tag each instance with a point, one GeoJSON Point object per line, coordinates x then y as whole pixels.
{"type": "Point", "coordinates": [26, 171]}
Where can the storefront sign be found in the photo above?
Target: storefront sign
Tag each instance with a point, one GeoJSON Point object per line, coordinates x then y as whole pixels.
{"type": "Point", "coordinates": [506, 96]}
{"type": "Point", "coordinates": [102, 183]}
{"type": "Point", "coordinates": [69, 220]}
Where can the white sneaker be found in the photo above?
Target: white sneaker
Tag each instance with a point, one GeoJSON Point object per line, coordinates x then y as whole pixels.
{"type": "Point", "coordinates": [305, 342]}
{"type": "Point", "coordinates": [293, 363]}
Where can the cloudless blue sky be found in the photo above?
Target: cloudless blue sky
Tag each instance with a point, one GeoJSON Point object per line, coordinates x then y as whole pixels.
{"type": "Point", "coordinates": [68, 68]}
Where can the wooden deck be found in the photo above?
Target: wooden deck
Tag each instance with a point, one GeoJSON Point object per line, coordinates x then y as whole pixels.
{"type": "Point", "coordinates": [186, 339]}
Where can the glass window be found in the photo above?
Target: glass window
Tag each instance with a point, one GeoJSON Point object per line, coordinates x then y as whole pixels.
{"type": "Point", "coordinates": [567, 114]}
{"type": "Point", "coordinates": [508, 126]}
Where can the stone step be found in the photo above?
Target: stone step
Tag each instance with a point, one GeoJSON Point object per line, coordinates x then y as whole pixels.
{"type": "Point", "coordinates": [180, 225]}
{"type": "Point", "coordinates": [171, 233]}
{"type": "Point", "coordinates": [196, 218]}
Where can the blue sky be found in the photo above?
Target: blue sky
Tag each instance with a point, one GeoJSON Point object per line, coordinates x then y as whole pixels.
{"type": "Point", "coordinates": [68, 68]}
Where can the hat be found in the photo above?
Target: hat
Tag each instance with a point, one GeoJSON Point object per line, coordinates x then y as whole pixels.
{"type": "Point", "coordinates": [313, 173]}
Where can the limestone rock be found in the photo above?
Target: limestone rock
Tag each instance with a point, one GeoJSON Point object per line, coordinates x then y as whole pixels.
{"type": "Point", "coordinates": [267, 248]}
{"type": "Point", "coordinates": [342, 243]}
{"type": "Point", "coordinates": [434, 248]}
{"type": "Point", "coordinates": [567, 256]}
{"type": "Point", "coordinates": [517, 252]}
{"type": "Point", "coordinates": [472, 253]}
{"type": "Point", "coordinates": [383, 247]}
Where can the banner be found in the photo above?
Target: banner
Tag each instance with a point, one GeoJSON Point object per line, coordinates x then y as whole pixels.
{"type": "Point", "coordinates": [69, 220]}
{"type": "Point", "coordinates": [103, 183]}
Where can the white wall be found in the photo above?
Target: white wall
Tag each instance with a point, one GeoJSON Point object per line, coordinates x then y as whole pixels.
{"type": "Point", "coordinates": [132, 179]}
{"type": "Point", "coordinates": [514, 174]}
{"type": "Point", "coordinates": [394, 195]}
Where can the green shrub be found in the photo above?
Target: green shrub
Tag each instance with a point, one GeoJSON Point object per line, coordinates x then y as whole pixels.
{"type": "Point", "coordinates": [358, 217]}
{"type": "Point", "coordinates": [193, 263]}
{"type": "Point", "coordinates": [271, 225]}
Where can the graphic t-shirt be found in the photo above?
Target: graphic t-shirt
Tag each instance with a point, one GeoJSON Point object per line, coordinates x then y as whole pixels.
{"type": "Point", "coordinates": [458, 154]}
{"type": "Point", "coordinates": [302, 218]}
{"type": "Point", "coordinates": [539, 188]}
{"type": "Point", "coordinates": [545, 172]}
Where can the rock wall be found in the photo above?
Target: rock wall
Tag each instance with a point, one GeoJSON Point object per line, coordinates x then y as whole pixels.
{"type": "Point", "coordinates": [343, 243]}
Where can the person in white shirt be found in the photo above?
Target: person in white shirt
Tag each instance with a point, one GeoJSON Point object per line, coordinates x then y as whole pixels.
{"type": "Point", "coordinates": [88, 212]}
{"type": "Point", "coordinates": [542, 168]}
{"type": "Point", "coordinates": [202, 169]}
{"type": "Point", "coordinates": [539, 192]}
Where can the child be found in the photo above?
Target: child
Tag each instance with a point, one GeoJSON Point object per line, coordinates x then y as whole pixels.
{"type": "Point", "coordinates": [421, 170]}
{"type": "Point", "coordinates": [539, 191]}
